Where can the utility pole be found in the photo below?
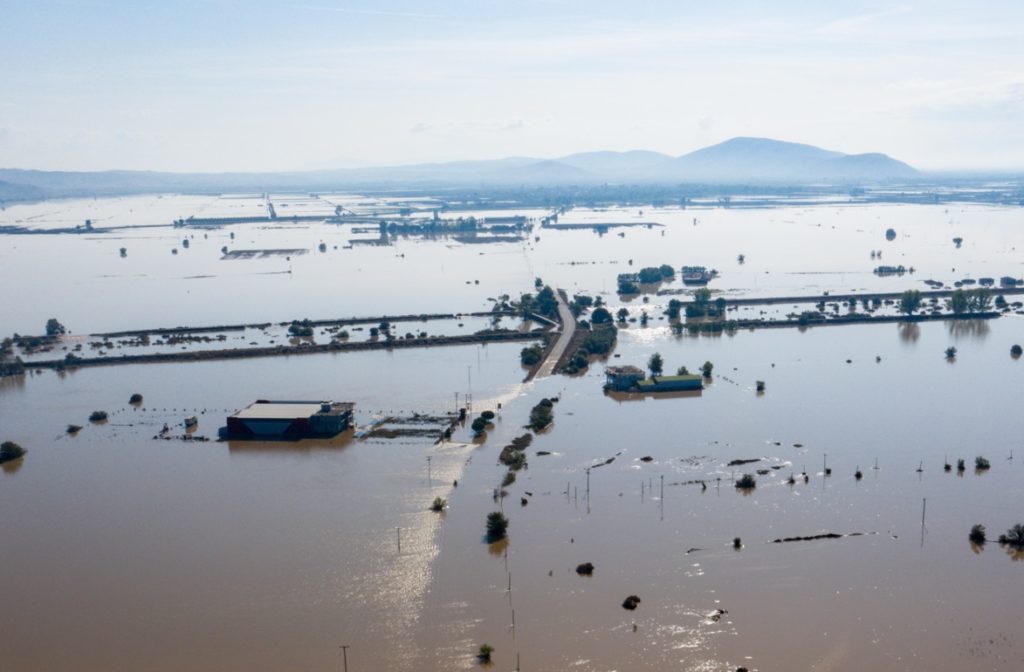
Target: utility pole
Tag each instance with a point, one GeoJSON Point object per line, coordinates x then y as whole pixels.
{"type": "Point", "coordinates": [344, 656]}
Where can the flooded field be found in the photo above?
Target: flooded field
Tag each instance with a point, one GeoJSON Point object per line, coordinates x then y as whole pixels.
{"type": "Point", "coordinates": [141, 553]}
{"type": "Point", "coordinates": [787, 251]}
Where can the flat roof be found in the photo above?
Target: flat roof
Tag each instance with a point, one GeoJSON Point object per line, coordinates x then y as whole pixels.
{"type": "Point", "coordinates": [628, 369]}
{"type": "Point", "coordinates": [285, 410]}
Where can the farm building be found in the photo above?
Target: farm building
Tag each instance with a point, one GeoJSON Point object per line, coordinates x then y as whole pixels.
{"type": "Point", "coordinates": [670, 383]}
{"type": "Point", "coordinates": [622, 378]}
{"type": "Point", "coordinates": [290, 419]}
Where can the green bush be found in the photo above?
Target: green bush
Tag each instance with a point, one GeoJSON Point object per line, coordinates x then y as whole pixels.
{"type": "Point", "coordinates": [531, 355]}
{"type": "Point", "coordinates": [497, 526]}
{"type": "Point", "coordinates": [628, 287]}
{"type": "Point", "coordinates": [479, 425]}
{"type": "Point", "coordinates": [541, 415]}
{"type": "Point", "coordinates": [746, 482]}
{"type": "Point", "coordinates": [301, 329]}
{"type": "Point", "coordinates": [483, 654]}
{"type": "Point", "coordinates": [135, 399]}
{"type": "Point", "coordinates": [438, 505]}
{"type": "Point", "coordinates": [977, 534]}
{"type": "Point", "coordinates": [9, 451]}
{"type": "Point", "coordinates": [1016, 350]}
{"type": "Point", "coordinates": [97, 416]}
{"type": "Point", "coordinates": [487, 415]}
{"type": "Point", "coordinates": [1014, 536]}
{"type": "Point", "coordinates": [601, 316]}
{"type": "Point", "coordinates": [982, 463]}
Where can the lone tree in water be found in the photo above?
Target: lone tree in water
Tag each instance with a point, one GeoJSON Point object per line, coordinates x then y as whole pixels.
{"type": "Point", "coordinates": [910, 301]}
{"type": "Point", "coordinates": [10, 451]}
{"type": "Point", "coordinates": [497, 524]}
{"type": "Point", "coordinates": [55, 328]}
{"type": "Point", "coordinates": [656, 364]}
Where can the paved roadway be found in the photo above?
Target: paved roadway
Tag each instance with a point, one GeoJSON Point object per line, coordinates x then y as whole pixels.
{"type": "Point", "coordinates": [547, 367]}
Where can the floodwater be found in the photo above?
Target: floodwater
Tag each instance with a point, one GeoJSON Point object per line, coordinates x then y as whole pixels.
{"type": "Point", "coordinates": [125, 552]}
{"type": "Point", "coordinates": [787, 251]}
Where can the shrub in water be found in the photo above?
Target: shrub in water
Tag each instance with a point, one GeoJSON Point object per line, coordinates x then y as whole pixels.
{"type": "Point", "coordinates": [1014, 536]}
{"type": "Point", "coordinates": [977, 534]}
{"type": "Point", "coordinates": [746, 482]}
{"type": "Point", "coordinates": [497, 525]}
{"type": "Point", "coordinates": [9, 451]}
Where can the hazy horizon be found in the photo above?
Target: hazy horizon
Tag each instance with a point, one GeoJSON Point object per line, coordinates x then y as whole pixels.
{"type": "Point", "coordinates": [229, 86]}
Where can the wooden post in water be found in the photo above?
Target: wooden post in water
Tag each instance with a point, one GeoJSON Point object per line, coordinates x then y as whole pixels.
{"type": "Point", "coordinates": [344, 656]}
{"type": "Point", "coordinates": [398, 532]}
{"type": "Point", "coordinates": [924, 507]}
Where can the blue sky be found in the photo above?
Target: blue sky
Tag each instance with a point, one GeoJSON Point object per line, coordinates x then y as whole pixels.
{"type": "Point", "coordinates": [257, 85]}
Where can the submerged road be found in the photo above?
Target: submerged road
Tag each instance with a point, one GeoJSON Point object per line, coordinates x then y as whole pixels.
{"type": "Point", "coordinates": [547, 367]}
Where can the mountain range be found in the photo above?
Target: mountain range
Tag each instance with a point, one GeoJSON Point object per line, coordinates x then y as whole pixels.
{"type": "Point", "coordinates": [733, 162]}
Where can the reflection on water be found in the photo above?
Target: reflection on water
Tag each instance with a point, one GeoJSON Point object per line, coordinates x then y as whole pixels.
{"type": "Point", "coordinates": [13, 466]}
{"type": "Point", "coordinates": [909, 331]}
{"type": "Point", "coordinates": [655, 396]}
{"type": "Point", "coordinates": [292, 448]}
{"type": "Point", "coordinates": [968, 328]}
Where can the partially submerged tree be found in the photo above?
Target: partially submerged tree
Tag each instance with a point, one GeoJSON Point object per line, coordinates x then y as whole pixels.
{"type": "Point", "coordinates": [497, 526]}
{"type": "Point", "coordinates": [655, 364]}
{"type": "Point", "coordinates": [910, 301]}
{"type": "Point", "coordinates": [10, 451]}
{"type": "Point", "coordinates": [746, 482]}
{"type": "Point", "coordinates": [1014, 536]}
{"type": "Point", "coordinates": [55, 328]}
{"type": "Point", "coordinates": [977, 534]}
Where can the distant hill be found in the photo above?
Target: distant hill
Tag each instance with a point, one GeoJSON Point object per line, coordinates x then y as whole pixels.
{"type": "Point", "coordinates": [733, 162]}
{"type": "Point", "coordinates": [11, 191]}
{"type": "Point", "coordinates": [773, 161]}
{"type": "Point", "coordinates": [618, 163]}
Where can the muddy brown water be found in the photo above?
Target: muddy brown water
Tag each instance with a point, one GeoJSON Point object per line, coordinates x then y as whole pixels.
{"type": "Point", "coordinates": [121, 552]}
{"type": "Point", "coordinates": [158, 555]}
